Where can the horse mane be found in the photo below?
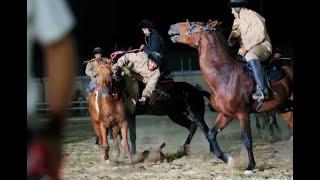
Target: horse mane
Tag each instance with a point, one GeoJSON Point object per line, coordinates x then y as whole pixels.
{"type": "Point", "coordinates": [231, 51]}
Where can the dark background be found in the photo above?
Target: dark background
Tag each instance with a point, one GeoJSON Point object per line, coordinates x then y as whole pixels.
{"type": "Point", "coordinates": [113, 24]}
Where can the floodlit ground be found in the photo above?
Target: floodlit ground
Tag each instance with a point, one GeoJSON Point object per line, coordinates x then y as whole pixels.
{"type": "Point", "coordinates": [274, 158]}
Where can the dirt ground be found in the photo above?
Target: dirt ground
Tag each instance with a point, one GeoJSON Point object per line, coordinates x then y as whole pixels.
{"type": "Point", "coordinates": [83, 160]}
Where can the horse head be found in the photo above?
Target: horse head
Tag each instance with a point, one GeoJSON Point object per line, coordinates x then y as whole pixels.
{"type": "Point", "coordinates": [190, 32]}
{"type": "Point", "coordinates": [104, 78]}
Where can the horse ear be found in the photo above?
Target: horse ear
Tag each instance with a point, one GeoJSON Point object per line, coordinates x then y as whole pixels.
{"type": "Point", "coordinates": [213, 24]}
{"type": "Point", "coordinates": [188, 22]}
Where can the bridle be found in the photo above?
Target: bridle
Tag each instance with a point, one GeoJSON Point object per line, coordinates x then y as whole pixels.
{"type": "Point", "coordinates": [105, 91]}
{"type": "Point", "coordinates": [204, 29]}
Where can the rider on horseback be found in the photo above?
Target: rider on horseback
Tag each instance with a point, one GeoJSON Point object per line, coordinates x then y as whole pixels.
{"type": "Point", "coordinates": [91, 67]}
{"type": "Point", "coordinates": [249, 30]}
{"type": "Point", "coordinates": [146, 63]}
{"type": "Point", "coordinates": [154, 44]}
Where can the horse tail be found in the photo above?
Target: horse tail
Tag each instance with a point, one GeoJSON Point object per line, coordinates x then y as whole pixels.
{"type": "Point", "coordinates": [207, 95]}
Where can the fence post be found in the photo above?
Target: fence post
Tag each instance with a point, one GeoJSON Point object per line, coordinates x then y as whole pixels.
{"type": "Point", "coordinates": [182, 69]}
{"type": "Point", "coordinates": [44, 89]}
{"type": "Point", "coordinates": [190, 64]}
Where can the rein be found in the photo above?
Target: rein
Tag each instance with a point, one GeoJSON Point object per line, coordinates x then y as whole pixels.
{"type": "Point", "coordinates": [204, 29]}
{"type": "Point", "coordinates": [116, 53]}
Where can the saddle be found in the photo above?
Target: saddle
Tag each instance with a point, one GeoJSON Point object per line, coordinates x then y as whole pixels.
{"type": "Point", "coordinates": [160, 94]}
{"type": "Point", "coordinates": [273, 69]}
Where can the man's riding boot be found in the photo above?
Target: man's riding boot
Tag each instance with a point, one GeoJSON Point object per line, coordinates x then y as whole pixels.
{"type": "Point", "coordinates": [263, 92]}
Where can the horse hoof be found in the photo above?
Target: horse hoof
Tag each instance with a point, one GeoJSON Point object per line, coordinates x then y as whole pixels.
{"type": "Point", "coordinates": [107, 161]}
{"type": "Point", "coordinates": [247, 172]}
{"type": "Point", "coordinates": [187, 150]}
{"type": "Point", "coordinates": [230, 161]}
{"type": "Point", "coordinates": [182, 151]}
{"type": "Point", "coordinates": [133, 152]}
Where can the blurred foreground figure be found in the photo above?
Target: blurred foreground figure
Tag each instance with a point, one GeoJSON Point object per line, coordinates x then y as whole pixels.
{"type": "Point", "coordinates": [49, 23]}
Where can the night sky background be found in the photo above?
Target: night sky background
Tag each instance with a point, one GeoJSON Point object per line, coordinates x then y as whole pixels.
{"type": "Point", "coordinates": [113, 24]}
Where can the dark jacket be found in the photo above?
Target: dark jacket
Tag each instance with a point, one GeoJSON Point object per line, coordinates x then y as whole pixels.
{"type": "Point", "coordinates": [155, 45]}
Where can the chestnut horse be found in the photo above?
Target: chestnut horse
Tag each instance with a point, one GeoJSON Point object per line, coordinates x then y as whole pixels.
{"type": "Point", "coordinates": [106, 109]}
{"type": "Point", "coordinates": [230, 83]}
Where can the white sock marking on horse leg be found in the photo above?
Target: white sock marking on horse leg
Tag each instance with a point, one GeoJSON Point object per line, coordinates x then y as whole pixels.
{"type": "Point", "coordinates": [96, 103]}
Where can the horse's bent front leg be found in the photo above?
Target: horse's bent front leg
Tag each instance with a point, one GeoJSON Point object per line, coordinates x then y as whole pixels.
{"type": "Point", "coordinates": [124, 129]}
{"type": "Point", "coordinates": [221, 122]}
{"type": "Point", "coordinates": [104, 142]}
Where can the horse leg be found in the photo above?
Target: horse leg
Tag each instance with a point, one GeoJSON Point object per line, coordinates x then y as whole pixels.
{"type": "Point", "coordinates": [104, 142]}
{"type": "Point", "coordinates": [192, 131]}
{"type": "Point", "coordinates": [183, 120]}
{"type": "Point", "coordinates": [110, 132]}
{"type": "Point", "coordinates": [94, 116]}
{"type": "Point", "coordinates": [96, 141]}
{"type": "Point", "coordinates": [96, 127]}
{"type": "Point", "coordinates": [115, 132]}
{"type": "Point", "coordinates": [257, 122]}
{"type": "Point", "coordinates": [132, 131]}
{"type": "Point", "coordinates": [247, 139]}
{"type": "Point", "coordinates": [275, 122]}
{"type": "Point", "coordinates": [205, 129]}
{"type": "Point", "coordinates": [124, 130]}
{"type": "Point", "coordinates": [221, 122]}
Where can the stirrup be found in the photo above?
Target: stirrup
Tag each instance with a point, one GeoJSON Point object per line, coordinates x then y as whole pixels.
{"type": "Point", "coordinates": [261, 98]}
{"type": "Point", "coordinates": [270, 94]}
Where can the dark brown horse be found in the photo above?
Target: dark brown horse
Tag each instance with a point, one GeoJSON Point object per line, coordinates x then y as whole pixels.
{"type": "Point", "coordinates": [230, 83]}
{"type": "Point", "coordinates": [106, 109]}
{"type": "Point", "coordinates": [184, 105]}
